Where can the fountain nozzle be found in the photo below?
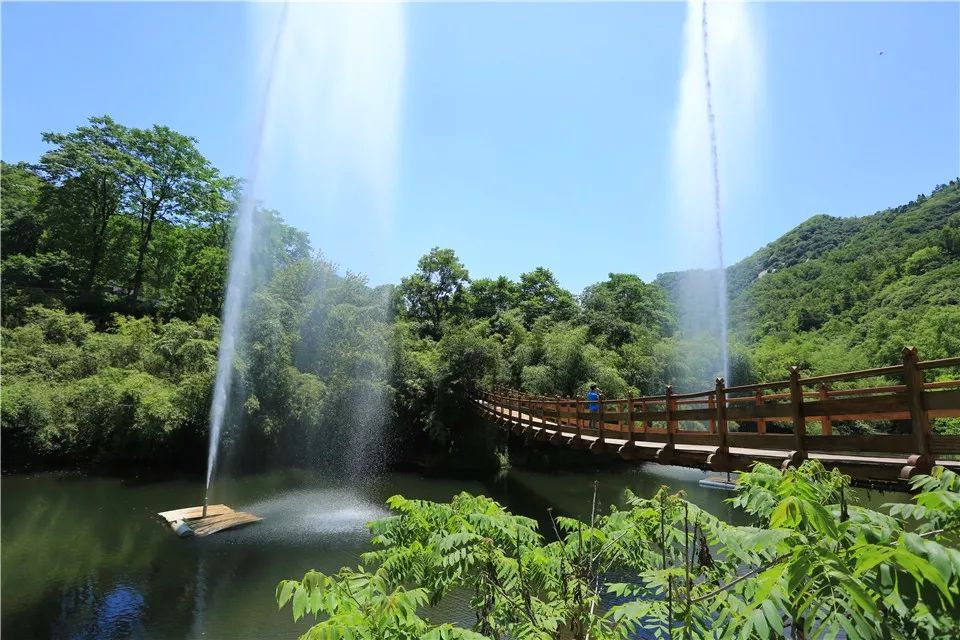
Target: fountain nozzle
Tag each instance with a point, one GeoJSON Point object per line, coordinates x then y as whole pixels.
{"type": "Point", "coordinates": [204, 505]}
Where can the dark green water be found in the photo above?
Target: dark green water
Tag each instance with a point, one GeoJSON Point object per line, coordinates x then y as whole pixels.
{"type": "Point", "coordinates": [86, 557]}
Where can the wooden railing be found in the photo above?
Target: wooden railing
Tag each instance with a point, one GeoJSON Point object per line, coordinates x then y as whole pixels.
{"type": "Point", "coordinates": [738, 417]}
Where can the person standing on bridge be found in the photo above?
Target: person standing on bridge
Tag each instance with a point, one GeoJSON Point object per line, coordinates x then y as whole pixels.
{"type": "Point", "coordinates": [593, 406]}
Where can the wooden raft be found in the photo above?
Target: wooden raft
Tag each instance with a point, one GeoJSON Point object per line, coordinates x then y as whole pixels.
{"type": "Point", "coordinates": [190, 521]}
{"type": "Point", "coordinates": [727, 483]}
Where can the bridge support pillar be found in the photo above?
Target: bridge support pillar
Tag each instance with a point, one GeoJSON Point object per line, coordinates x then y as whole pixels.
{"type": "Point", "coordinates": [720, 461]}
{"type": "Point", "coordinates": [794, 459]}
{"type": "Point", "coordinates": [627, 451]}
{"type": "Point", "coordinates": [665, 453]}
{"type": "Point", "coordinates": [598, 446]}
{"type": "Point", "coordinates": [917, 464]}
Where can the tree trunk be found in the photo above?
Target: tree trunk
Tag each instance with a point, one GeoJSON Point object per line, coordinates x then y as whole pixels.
{"type": "Point", "coordinates": [96, 257]}
{"type": "Point", "coordinates": [141, 255]}
{"type": "Point", "coordinates": [106, 209]}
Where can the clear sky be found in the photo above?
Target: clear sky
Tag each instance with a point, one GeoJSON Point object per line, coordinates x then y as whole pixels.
{"type": "Point", "coordinates": [527, 134]}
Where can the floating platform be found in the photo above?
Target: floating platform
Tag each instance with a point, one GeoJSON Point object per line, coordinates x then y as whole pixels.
{"type": "Point", "coordinates": [190, 521]}
{"type": "Point", "coordinates": [726, 482]}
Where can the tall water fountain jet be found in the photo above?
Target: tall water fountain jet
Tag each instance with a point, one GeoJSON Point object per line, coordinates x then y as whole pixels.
{"type": "Point", "coordinates": [719, 91]}
{"type": "Point", "coordinates": [239, 270]}
{"type": "Point", "coordinates": [717, 213]}
{"type": "Point", "coordinates": [331, 94]}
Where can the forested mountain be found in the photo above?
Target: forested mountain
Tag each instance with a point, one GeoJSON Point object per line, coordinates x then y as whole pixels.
{"type": "Point", "coordinates": [114, 258]}
{"type": "Point", "coordinates": [843, 293]}
{"type": "Point", "coordinates": [837, 294]}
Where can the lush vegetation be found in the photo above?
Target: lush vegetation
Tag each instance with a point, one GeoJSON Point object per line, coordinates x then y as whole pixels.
{"type": "Point", "coordinates": [113, 266]}
{"type": "Point", "coordinates": [811, 565]}
{"type": "Point", "coordinates": [114, 262]}
{"type": "Point", "coordinates": [841, 294]}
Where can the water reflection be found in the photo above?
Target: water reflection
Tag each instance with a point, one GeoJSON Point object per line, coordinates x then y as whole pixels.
{"type": "Point", "coordinates": [87, 615]}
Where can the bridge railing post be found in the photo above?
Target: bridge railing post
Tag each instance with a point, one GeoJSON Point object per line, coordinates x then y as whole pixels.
{"type": "Point", "coordinates": [761, 422]}
{"type": "Point", "coordinates": [576, 413]}
{"type": "Point", "coordinates": [530, 404]}
{"type": "Point", "coordinates": [799, 421]}
{"type": "Point", "coordinates": [557, 419]}
{"type": "Point", "coordinates": [712, 404]}
{"type": "Point", "coordinates": [672, 423]}
{"type": "Point", "coordinates": [630, 425]}
{"type": "Point", "coordinates": [922, 459]}
{"type": "Point", "coordinates": [720, 460]}
{"type": "Point", "coordinates": [516, 397]}
{"type": "Point", "coordinates": [826, 425]}
{"type": "Point", "coordinates": [670, 407]}
{"type": "Point", "coordinates": [524, 405]}
{"type": "Point", "coordinates": [602, 423]}
{"type": "Point", "coordinates": [665, 454]}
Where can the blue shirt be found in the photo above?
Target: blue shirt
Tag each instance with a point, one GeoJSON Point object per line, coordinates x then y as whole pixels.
{"type": "Point", "coordinates": [593, 406]}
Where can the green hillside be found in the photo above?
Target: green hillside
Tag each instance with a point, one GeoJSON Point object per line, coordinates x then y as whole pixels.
{"type": "Point", "coordinates": [840, 293]}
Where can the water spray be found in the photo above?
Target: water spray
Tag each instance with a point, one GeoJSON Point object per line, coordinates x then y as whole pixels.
{"type": "Point", "coordinates": [238, 278]}
{"type": "Point", "coordinates": [715, 162]}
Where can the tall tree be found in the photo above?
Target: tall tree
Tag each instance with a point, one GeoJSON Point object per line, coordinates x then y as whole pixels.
{"type": "Point", "coordinates": [84, 189]}
{"type": "Point", "coordinates": [541, 295]}
{"type": "Point", "coordinates": [169, 180]}
{"type": "Point", "coordinates": [490, 296]}
{"type": "Point", "coordinates": [21, 219]}
{"type": "Point", "coordinates": [620, 306]}
{"type": "Point", "coordinates": [435, 291]}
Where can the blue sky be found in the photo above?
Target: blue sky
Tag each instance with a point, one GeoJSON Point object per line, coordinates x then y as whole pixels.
{"type": "Point", "coordinates": [530, 134]}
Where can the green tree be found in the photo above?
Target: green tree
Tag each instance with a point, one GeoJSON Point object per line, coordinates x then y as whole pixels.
{"type": "Point", "coordinates": [167, 179]}
{"type": "Point", "coordinates": [950, 239]}
{"type": "Point", "coordinates": [541, 296]}
{"type": "Point", "coordinates": [199, 285]}
{"type": "Point", "coordinates": [85, 189]}
{"type": "Point", "coordinates": [624, 306]}
{"type": "Point", "coordinates": [21, 220]}
{"type": "Point", "coordinates": [490, 296]}
{"type": "Point", "coordinates": [435, 292]}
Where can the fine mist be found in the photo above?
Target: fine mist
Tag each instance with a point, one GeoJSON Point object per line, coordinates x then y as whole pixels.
{"type": "Point", "coordinates": [712, 145]}
{"type": "Point", "coordinates": [326, 94]}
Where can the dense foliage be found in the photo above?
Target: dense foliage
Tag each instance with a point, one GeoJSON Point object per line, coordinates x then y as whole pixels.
{"type": "Point", "coordinates": [811, 565]}
{"type": "Point", "coordinates": [114, 258]}
{"type": "Point", "coordinates": [837, 294]}
{"type": "Point", "coordinates": [114, 262]}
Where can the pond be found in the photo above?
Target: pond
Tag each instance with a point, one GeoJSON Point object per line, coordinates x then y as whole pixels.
{"type": "Point", "coordinates": [86, 557]}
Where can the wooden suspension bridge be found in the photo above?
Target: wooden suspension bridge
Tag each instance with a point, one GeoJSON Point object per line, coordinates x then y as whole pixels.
{"type": "Point", "coordinates": [730, 428]}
